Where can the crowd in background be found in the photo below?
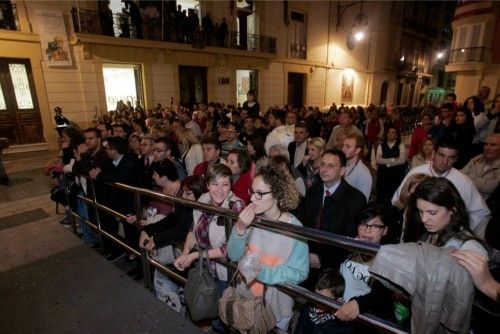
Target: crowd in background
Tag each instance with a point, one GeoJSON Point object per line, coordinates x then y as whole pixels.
{"type": "Point", "coordinates": [345, 170]}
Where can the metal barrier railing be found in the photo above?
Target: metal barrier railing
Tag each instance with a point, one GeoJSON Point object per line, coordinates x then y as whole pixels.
{"type": "Point", "coordinates": [268, 224]}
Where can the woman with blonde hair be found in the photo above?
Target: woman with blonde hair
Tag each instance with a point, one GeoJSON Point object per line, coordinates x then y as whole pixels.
{"type": "Point", "coordinates": [192, 152]}
{"type": "Point", "coordinates": [425, 154]}
{"type": "Point", "coordinates": [309, 167]}
{"type": "Point", "coordinates": [281, 258]}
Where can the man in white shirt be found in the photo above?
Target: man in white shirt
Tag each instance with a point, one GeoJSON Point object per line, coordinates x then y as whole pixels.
{"type": "Point", "coordinates": [357, 174]}
{"type": "Point", "coordinates": [441, 166]}
{"type": "Point", "coordinates": [281, 134]}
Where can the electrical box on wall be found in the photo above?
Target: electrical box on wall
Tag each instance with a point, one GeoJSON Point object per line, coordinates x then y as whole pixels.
{"type": "Point", "coordinates": [223, 81]}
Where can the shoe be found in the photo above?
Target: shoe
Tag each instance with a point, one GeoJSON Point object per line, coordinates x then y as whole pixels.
{"type": "Point", "coordinates": [130, 258]}
{"type": "Point", "coordinates": [136, 273]}
{"type": "Point", "coordinates": [64, 221]}
{"type": "Point", "coordinates": [114, 256]}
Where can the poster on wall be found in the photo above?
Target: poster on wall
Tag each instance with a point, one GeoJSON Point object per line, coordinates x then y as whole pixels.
{"type": "Point", "coordinates": [347, 87]}
{"type": "Point", "coordinates": [53, 37]}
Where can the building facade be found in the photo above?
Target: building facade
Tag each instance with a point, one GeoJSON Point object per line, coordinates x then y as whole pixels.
{"type": "Point", "coordinates": [85, 56]}
{"type": "Point", "coordinates": [475, 52]}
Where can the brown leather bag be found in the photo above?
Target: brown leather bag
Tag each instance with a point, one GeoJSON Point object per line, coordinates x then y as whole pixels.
{"type": "Point", "coordinates": [247, 315]}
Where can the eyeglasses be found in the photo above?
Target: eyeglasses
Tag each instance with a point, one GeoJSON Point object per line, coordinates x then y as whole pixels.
{"type": "Point", "coordinates": [258, 194]}
{"type": "Point", "coordinates": [371, 227]}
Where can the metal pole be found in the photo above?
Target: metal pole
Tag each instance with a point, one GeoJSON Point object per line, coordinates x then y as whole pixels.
{"type": "Point", "coordinates": [96, 213]}
{"type": "Point", "coordinates": [146, 269]}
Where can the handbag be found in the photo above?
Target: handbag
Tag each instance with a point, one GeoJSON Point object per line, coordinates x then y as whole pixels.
{"type": "Point", "coordinates": [201, 292]}
{"type": "Point", "coordinates": [247, 315]}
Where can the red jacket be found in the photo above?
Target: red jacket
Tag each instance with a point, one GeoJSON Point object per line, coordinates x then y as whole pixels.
{"type": "Point", "coordinates": [242, 185]}
{"type": "Point", "coordinates": [417, 139]}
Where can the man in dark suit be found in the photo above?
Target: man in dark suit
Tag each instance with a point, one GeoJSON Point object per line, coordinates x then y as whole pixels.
{"type": "Point", "coordinates": [298, 148]}
{"type": "Point", "coordinates": [122, 167]}
{"type": "Point", "coordinates": [330, 205]}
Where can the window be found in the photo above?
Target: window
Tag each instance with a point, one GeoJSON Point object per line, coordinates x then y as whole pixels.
{"type": "Point", "coordinates": [122, 82]}
{"type": "Point", "coordinates": [298, 34]}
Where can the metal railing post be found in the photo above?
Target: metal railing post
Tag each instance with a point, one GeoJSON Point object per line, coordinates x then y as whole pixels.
{"type": "Point", "coordinates": [146, 268]}
{"type": "Point", "coordinates": [96, 214]}
{"type": "Point", "coordinates": [68, 205]}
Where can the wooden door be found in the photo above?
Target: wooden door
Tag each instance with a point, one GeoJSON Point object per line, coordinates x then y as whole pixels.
{"type": "Point", "coordinates": [20, 119]}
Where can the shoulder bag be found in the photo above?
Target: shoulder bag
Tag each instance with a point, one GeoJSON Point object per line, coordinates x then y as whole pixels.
{"type": "Point", "coordinates": [247, 315]}
{"type": "Point", "coordinates": [201, 292]}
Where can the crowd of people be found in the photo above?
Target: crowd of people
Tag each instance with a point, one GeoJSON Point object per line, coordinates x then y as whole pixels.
{"type": "Point", "coordinates": [345, 171]}
{"type": "Point", "coordinates": [142, 21]}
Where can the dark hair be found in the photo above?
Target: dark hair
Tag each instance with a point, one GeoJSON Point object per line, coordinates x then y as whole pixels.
{"type": "Point", "coordinates": [448, 106]}
{"type": "Point", "coordinates": [236, 126]}
{"type": "Point", "coordinates": [337, 153]}
{"type": "Point", "coordinates": [333, 280]}
{"type": "Point", "coordinates": [170, 145]}
{"type": "Point", "coordinates": [282, 160]}
{"type": "Point", "coordinates": [166, 168]}
{"type": "Point", "coordinates": [196, 184]}
{"type": "Point", "coordinates": [252, 92]}
{"type": "Point", "coordinates": [278, 114]}
{"type": "Point", "coordinates": [452, 95]}
{"type": "Point", "coordinates": [211, 140]}
{"type": "Point", "coordinates": [244, 159]}
{"type": "Point", "coordinates": [75, 137]}
{"type": "Point", "coordinates": [398, 134]}
{"type": "Point", "coordinates": [96, 131]}
{"type": "Point", "coordinates": [478, 105]}
{"type": "Point", "coordinates": [302, 125]}
{"type": "Point", "coordinates": [258, 143]}
{"type": "Point", "coordinates": [469, 120]}
{"type": "Point", "coordinates": [118, 143]}
{"type": "Point", "coordinates": [438, 191]}
{"type": "Point", "coordinates": [448, 142]}
{"type": "Point", "coordinates": [371, 211]}
{"type": "Point", "coordinates": [141, 123]}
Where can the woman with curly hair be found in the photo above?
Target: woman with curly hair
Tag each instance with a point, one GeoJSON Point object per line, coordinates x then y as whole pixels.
{"type": "Point", "coordinates": [282, 258]}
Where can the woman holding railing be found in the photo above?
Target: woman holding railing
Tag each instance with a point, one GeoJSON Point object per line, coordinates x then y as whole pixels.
{"type": "Point", "coordinates": [282, 258]}
{"type": "Point", "coordinates": [206, 233]}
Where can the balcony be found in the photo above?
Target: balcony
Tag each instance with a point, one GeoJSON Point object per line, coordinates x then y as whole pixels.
{"type": "Point", "coordinates": [466, 55]}
{"type": "Point", "coordinates": [120, 25]}
{"type": "Point", "coordinates": [8, 17]}
{"type": "Point", "coordinates": [298, 51]}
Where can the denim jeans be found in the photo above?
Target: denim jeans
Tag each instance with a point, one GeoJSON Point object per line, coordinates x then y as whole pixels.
{"type": "Point", "coordinates": [89, 236]}
{"type": "Point", "coordinates": [217, 324]}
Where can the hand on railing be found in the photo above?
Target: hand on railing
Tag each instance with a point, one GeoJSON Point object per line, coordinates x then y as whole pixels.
{"type": "Point", "coordinates": [348, 312]}
{"type": "Point", "coordinates": [146, 242]}
{"type": "Point", "coordinates": [184, 261]}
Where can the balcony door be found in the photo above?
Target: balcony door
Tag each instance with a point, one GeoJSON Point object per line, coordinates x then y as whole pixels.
{"type": "Point", "coordinates": [193, 85]}
{"type": "Point", "coordinates": [20, 119]}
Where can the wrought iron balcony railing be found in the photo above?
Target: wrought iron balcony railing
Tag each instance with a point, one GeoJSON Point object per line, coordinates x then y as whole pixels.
{"type": "Point", "coordinates": [121, 25]}
{"type": "Point", "coordinates": [298, 51]}
{"type": "Point", "coordinates": [466, 55]}
{"type": "Point", "coordinates": [8, 17]}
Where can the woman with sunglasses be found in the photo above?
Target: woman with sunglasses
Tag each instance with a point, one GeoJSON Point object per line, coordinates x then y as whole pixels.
{"type": "Point", "coordinates": [282, 258]}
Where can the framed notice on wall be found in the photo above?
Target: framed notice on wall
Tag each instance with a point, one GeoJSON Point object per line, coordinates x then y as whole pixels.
{"type": "Point", "coordinates": [53, 37]}
{"type": "Point", "coordinates": [347, 87]}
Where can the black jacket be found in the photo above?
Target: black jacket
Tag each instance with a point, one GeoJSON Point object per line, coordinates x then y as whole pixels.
{"type": "Point", "coordinates": [125, 172]}
{"type": "Point", "coordinates": [337, 216]}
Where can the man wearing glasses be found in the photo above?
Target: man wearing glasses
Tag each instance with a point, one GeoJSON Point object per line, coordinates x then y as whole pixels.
{"type": "Point", "coordinates": [330, 205]}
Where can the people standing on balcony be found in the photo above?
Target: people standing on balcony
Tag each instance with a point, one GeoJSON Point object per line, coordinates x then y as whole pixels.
{"type": "Point", "coordinates": [151, 21]}
{"type": "Point", "coordinates": [223, 29]}
{"type": "Point", "coordinates": [208, 28]}
{"type": "Point", "coordinates": [345, 126]}
{"type": "Point", "coordinates": [462, 130]}
{"type": "Point", "coordinates": [106, 18]}
{"type": "Point", "coordinates": [135, 18]}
